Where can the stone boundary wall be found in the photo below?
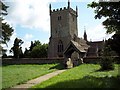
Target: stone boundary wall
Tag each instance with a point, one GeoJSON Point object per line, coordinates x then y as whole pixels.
{"type": "Point", "coordinates": [96, 60]}
{"type": "Point", "coordinates": [93, 60]}
{"type": "Point", "coordinates": [10, 61]}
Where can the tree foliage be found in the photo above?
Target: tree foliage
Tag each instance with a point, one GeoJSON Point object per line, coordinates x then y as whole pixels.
{"type": "Point", "coordinates": [17, 49]}
{"type": "Point", "coordinates": [6, 30]}
{"type": "Point", "coordinates": [107, 58]}
{"type": "Point", "coordinates": [35, 43]}
{"type": "Point", "coordinates": [39, 51]}
{"type": "Point", "coordinates": [26, 53]}
{"type": "Point", "coordinates": [36, 50]}
{"type": "Point", "coordinates": [111, 12]}
{"type": "Point", "coordinates": [114, 43]}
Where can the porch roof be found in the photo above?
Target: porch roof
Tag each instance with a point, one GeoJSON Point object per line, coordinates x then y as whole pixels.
{"type": "Point", "coordinates": [76, 46]}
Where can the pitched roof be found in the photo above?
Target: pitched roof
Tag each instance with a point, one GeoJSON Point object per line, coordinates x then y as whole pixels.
{"type": "Point", "coordinates": [76, 46]}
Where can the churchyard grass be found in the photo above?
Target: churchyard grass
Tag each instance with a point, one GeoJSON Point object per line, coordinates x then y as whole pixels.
{"type": "Point", "coordinates": [17, 74]}
{"type": "Point", "coordinates": [83, 76]}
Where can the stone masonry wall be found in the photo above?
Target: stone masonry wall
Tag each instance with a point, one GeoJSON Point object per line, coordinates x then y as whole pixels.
{"type": "Point", "coordinates": [10, 61]}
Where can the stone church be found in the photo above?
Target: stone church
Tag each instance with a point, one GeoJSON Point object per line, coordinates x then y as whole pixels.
{"type": "Point", "coordinates": [64, 40]}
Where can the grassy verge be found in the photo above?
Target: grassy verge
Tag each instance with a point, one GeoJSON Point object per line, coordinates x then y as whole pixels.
{"type": "Point", "coordinates": [83, 76]}
{"type": "Point", "coordinates": [0, 77]}
{"type": "Point", "coordinates": [17, 74]}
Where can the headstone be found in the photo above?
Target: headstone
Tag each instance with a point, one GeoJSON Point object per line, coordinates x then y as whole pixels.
{"type": "Point", "coordinates": [75, 58]}
{"type": "Point", "coordinates": [69, 63]}
{"type": "Point", "coordinates": [81, 60]}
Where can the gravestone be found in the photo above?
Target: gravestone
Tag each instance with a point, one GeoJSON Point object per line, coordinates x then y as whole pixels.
{"type": "Point", "coordinates": [75, 58]}
{"type": "Point", "coordinates": [69, 63]}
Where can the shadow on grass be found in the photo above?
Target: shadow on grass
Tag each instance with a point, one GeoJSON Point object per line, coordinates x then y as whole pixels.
{"type": "Point", "coordinates": [109, 69]}
{"type": "Point", "coordinates": [101, 70]}
{"type": "Point", "coordinates": [89, 82]}
{"type": "Point", "coordinates": [36, 64]}
{"type": "Point", "coordinates": [58, 66]}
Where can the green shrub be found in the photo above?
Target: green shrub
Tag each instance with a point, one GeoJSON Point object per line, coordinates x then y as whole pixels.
{"type": "Point", "coordinates": [107, 63]}
{"type": "Point", "coordinates": [107, 60]}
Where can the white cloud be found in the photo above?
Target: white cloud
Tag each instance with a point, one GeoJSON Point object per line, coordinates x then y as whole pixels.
{"type": "Point", "coordinates": [30, 13]}
{"type": "Point", "coordinates": [28, 36]}
{"type": "Point", "coordinates": [45, 41]}
{"type": "Point", "coordinates": [97, 33]}
{"type": "Point", "coordinates": [26, 44]}
{"type": "Point", "coordinates": [27, 41]}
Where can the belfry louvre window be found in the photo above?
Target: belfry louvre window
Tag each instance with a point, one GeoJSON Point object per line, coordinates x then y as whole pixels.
{"type": "Point", "coordinates": [59, 17]}
{"type": "Point", "coordinates": [60, 46]}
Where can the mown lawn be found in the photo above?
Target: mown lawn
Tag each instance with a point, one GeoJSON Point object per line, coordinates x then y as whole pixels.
{"type": "Point", "coordinates": [17, 74]}
{"type": "Point", "coordinates": [83, 76]}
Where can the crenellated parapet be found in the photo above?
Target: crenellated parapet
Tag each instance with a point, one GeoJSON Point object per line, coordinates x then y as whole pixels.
{"type": "Point", "coordinates": [60, 9]}
{"type": "Point", "coordinates": [68, 8]}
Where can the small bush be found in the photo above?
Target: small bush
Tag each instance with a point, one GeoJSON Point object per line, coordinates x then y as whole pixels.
{"type": "Point", "coordinates": [107, 59]}
{"type": "Point", "coordinates": [107, 63]}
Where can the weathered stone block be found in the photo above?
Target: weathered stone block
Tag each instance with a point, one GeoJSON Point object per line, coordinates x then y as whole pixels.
{"type": "Point", "coordinates": [69, 63]}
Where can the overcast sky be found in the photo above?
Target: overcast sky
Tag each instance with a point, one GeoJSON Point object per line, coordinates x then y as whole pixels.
{"type": "Point", "coordinates": [30, 20]}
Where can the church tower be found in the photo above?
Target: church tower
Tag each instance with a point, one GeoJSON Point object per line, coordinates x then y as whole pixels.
{"type": "Point", "coordinates": [63, 24]}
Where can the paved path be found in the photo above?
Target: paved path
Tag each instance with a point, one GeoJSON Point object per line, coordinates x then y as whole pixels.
{"type": "Point", "coordinates": [37, 80]}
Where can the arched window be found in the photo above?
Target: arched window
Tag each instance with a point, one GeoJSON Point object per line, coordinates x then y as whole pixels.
{"type": "Point", "coordinates": [60, 46]}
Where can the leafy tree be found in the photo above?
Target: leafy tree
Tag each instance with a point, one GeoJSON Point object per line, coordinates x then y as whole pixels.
{"type": "Point", "coordinates": [44, 49]}
{"type": "Point", "coordinates": [31, 46]}
{"type": "Point", "coordinates": [107, 59]}
{"type": "Point", "coordinates": [111, 11]}
{"type": "Point", "coordinates": [20, 52]}
{"type": "Point", "coordinates": [26, 53]}
{"type": "Point", "coordinates": [6, 30]}
{"type": "Point", "coordinates": [17, 49]}
{"type": "Point", "coordinates": [36, 42]}
{"type": "Point", "coordinates": [39, 51]}
{"type": "Point", "coordinates": [4, 55]}
{"type": "Point", "coordinates": [114, 43]}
